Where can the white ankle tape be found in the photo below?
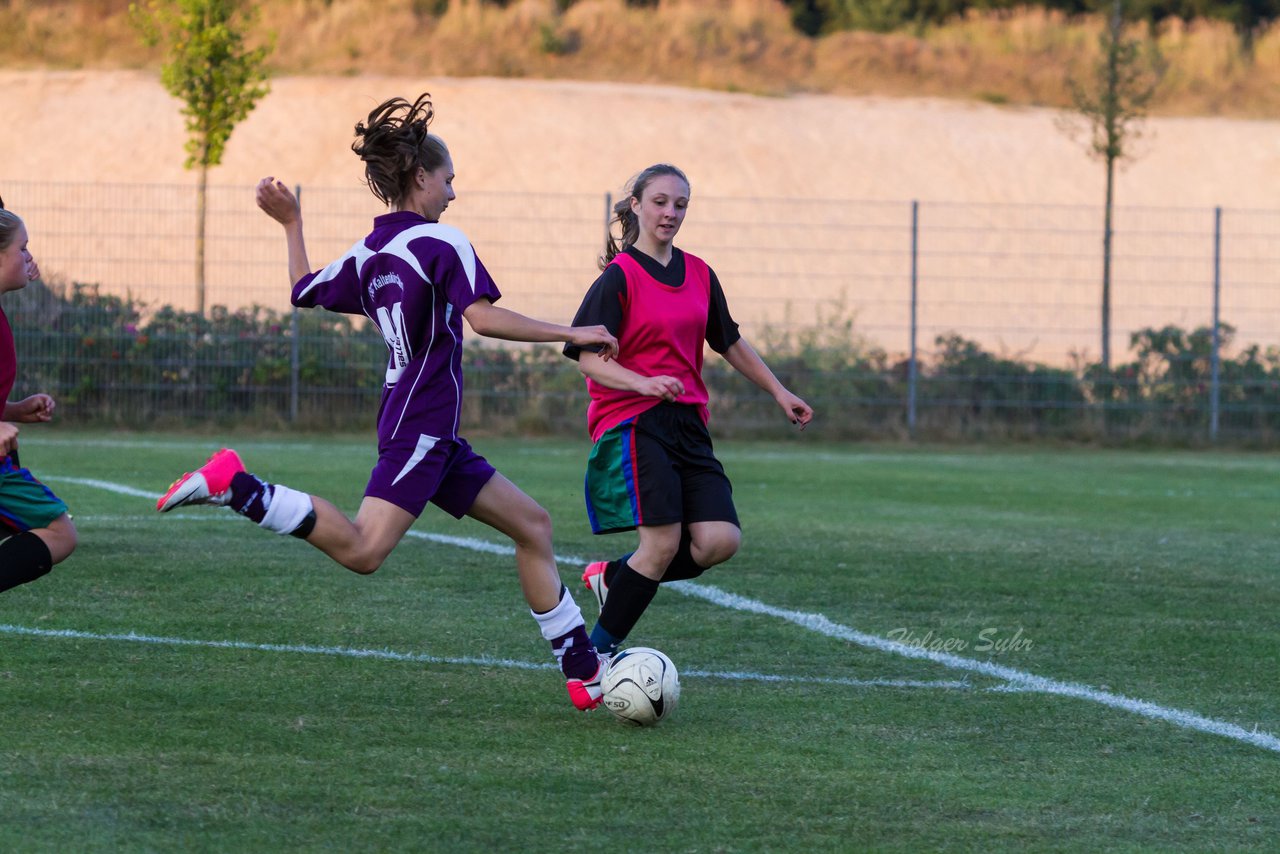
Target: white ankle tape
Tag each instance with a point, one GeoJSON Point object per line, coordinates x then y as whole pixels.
{"type": "Point", "coordinates": [287, 510]}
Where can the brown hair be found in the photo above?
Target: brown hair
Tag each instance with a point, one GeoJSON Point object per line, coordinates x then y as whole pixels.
{"type": "Point", "coordinates": [393, 142]}
{"type": "Point", "coordinates": [623, 214]}
{"type": "Point", "coordinates": [10, 222]}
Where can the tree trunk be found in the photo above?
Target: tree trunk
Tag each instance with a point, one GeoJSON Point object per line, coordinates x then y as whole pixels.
{"type": "Point", "coordinates": [202, 196]}
{"type": "Point", "coordinates": [1106, 268]}
{"type": "Point", "coordinates": [1114, 123]}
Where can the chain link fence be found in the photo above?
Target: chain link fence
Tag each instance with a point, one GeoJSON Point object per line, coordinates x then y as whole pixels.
{"type": "Point", "coordinates": [932, 319]}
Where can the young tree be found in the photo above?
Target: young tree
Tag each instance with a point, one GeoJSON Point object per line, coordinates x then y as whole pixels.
{"type": "Point", "coordinates": [212, 71]}
{"type": "Point", "coordinates": [1113, 101]}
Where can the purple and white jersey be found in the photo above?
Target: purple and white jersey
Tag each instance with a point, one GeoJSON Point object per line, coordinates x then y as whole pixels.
{"type": "Point", "coordinates": [413, 279]}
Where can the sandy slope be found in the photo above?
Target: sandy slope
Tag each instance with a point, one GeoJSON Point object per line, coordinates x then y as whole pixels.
{"type": "Point", "coordinates": [585, 137]}
{"type": "Point", "coordinates": [1016, 289]}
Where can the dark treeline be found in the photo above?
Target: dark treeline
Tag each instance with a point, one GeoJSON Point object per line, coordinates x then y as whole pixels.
{"type": "Point", "coordinates": [1249, 18]}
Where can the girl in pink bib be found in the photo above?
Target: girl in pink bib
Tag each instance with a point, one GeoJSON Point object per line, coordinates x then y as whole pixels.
{"type": "Point", "coordinates": [652, 468]}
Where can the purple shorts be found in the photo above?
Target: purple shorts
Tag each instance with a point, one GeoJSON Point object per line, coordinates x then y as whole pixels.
{"type": "Point", "coordinates": [446, 472]}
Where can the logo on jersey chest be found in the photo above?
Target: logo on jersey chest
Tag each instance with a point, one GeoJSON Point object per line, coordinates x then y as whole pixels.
{"type": "Point", "coordinates": [380, 282]}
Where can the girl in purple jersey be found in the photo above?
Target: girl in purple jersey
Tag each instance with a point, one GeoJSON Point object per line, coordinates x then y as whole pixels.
{"type": "Point", "coordinates": [416, 279]}
{"type": "Point", "coordinates": [36, 531]}
{"type": "Point", "coordinates": [652, 468]}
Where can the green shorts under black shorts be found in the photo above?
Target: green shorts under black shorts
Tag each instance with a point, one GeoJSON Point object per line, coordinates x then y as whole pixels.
{"type": "Point", "coordinates": [25, 502]}
{"type": "Point", "coordinates": [657, 468]}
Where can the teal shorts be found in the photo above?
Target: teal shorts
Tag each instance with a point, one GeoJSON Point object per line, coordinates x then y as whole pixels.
{"type": "Point", "coordinates": [25, 502]}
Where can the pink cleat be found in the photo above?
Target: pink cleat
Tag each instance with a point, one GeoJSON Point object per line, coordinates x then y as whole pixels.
{"type": "Point", "coordinates": [586, 694]}
{"type": "Point", "coordinates": [594, 579]}
{"type": "Point", "coordinates": [209, 484]}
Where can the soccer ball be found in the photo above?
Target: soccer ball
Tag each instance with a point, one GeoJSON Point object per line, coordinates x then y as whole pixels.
{"type": "Point", "coordinates": [641, 686]}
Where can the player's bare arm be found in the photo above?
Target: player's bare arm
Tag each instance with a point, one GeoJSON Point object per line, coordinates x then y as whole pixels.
{"type": "Point", "coordinates": [30, 410]}
{"type": "Point", "coordinates": [491, 321]}
{"type": "Point", "coordinates": [8, 437]}
{"type": "Point", "coordinates": [613, 375]}
{"type": "Point", "coordinates": [746, 361]}
{"type": "Point", "coordinates": [278, 202]}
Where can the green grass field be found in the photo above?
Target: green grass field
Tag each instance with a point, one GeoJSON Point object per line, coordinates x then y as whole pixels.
{"type": "Point", "coordinates": [916, 649]}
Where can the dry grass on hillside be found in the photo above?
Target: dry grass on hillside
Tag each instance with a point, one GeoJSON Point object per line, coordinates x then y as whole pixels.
{"type": "Point", "coordinates": [735, 45]}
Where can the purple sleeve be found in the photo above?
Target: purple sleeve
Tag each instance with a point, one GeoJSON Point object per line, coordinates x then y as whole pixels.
{"type": "Point", "coordinates": [462, 275]}
{"type": "Point", "coordinates": [336, 287]}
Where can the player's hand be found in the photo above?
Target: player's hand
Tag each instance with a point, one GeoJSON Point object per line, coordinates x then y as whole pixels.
{"type": "Point", "coordinates": [8, 438]}
{"type": "Point", "coordinates": [799, 412]}
{"type": "Point", "coordinates": [597, 338]}
{"type": "Point", "coordinates": [277, 201]}
{"type": "Point", "coordinates": [667, 388]}
{"type": "Point", "coordinates": [33, 271]}
{"type": "Point", "coordinates": [37, 407]}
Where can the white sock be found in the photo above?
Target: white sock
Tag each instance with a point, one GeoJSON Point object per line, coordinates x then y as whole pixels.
{"type": "Point", "coordinates": [560, 620]}
{"type": "Point", "coordinates": [286, 511]}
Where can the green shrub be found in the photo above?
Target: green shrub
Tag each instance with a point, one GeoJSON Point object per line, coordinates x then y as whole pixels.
{"type": "Point", "coordinates": [116, 360]}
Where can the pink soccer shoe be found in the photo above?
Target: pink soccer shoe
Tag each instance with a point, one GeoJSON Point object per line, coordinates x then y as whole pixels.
{"type": "Point", "coordinates": [209, 484]}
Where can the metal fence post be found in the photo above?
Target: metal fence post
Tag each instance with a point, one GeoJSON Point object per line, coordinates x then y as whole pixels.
{"type": "Point", "coordinates": [912, 364]}
{"type": "Point", "coordinates": [608, 215]}
{"type": "Point", "coordinates": [294, 363]}
{"type": "Point", "coordinates": [1215, 362]}
{"type": "Point", "coordinates": [295, 353]}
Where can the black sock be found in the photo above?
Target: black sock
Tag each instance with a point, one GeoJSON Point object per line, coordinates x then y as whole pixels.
{"type": "Point", "coordinates": [683, 566]}
{"type": "Point", "coordinates": [612, 567]}
{"type": "Point", "coordinates": [629, 595]}
{"type": "Point", "coordinates": [23, 557]}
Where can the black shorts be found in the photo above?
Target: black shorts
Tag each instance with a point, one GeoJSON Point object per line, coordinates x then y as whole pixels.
{"type": "Point", "coordinates": [657, 468]}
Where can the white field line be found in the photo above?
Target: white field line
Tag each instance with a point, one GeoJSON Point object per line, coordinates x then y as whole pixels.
{"type": "Point", "coordinates": [468, 661]}
{"type": "Point", "coordinates": [117, 488]}
{"type": "Point", "coordinates": [1217, 462]}
{"type": "Point", "coordinates": [1017, 680]}
{"type": "Point", "coordinates": [307, 649]}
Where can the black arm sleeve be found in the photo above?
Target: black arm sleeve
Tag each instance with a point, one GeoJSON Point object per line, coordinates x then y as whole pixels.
{"type": "Point", "coordinates": [602, 305]}
{"type": "Point", "coordinates": [722, 331]}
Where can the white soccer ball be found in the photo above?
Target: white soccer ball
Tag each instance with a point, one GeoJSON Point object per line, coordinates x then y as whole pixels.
{"type": "Point", "coordinates": [641, 686]}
